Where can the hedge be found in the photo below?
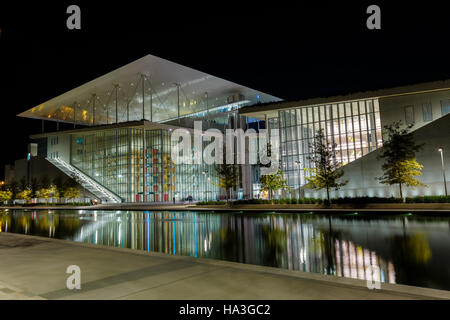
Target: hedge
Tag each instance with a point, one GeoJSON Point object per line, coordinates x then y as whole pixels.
{"type": "Point", "coordinates": [358, 200]}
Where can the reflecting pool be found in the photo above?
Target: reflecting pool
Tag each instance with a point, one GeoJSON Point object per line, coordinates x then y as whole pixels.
{"type": "Point", "coordinates": [406, 249]}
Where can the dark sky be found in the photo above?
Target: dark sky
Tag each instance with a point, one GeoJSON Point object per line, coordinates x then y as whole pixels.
{"type": "Point", "coordinates": [290, 51]}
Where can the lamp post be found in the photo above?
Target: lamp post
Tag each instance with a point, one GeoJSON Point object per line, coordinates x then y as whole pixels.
{"type": "Point", "coordinates": [441, 150]}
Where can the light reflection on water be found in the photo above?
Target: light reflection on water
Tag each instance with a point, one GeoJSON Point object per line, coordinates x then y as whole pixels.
{"type": "Point", "coordinates": [411, 250]}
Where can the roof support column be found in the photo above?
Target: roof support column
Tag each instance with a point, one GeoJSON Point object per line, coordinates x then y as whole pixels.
{"type": "Point", "coordinates": [74, 114]}
{"type": "Point", "coordinates": [178, 101]}
{"type": "Point", "coordinates": [58, 112]}
{"type": "Point", "coordinates": [151, 104]}
{"type": "Point", "coordinates": [94, 96]}
{"type": "Point", "coordinates": [128, 110]}
{"type": "Point", "coordinates": [143, 96]}
{"type": "Point", "coordinates": [207, 109]}
{"type": "Point", "coordinates": [117, 88]}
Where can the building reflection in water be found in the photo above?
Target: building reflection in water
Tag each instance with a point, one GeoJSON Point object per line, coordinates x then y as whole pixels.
{"type": "Point", "coordinates": [340, 246]}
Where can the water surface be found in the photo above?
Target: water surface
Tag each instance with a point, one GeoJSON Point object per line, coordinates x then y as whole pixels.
{"type": "Point", "coordinates": [405, 249]}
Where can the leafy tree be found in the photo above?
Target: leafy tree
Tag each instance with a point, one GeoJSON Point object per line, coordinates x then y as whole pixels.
{"type": "Point", "coordinates": [45, 182]}
{"type": "Point", "coordinates": [25, 194]}
{"type": "Point", "coordinates": [59, 185]}
{"type": "Point", "coordinates": [273, 182]}
{"type": "Point", "coordinates": [72, 192]}
{"type": "Point", "coordinates": [326, 171]}
{"type": "Point", "coordinates": [228, 177]}
{"type": "Point", "coordinates": [34, 187]}
{"type": "Point", "coordinates": [23, 184]}
{"type": "Point", "coordinates": [5, 195]}
{"type": "Point", "coordinates": [13, 187]}
{"type": "Point", "coordinates": [403, 173]}
{"type": "Point", "coordinates": [399, 154]}
{"type": "Point", "coordinates": [47, 193]}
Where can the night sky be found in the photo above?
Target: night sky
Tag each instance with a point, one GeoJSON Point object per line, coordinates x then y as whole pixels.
{"type": "Point", "coordinates": [293, 52]}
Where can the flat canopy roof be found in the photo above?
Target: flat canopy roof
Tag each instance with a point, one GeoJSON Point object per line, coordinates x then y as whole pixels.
{"type": "Point", "coordinates": [270, 109]}
{"type": "Point", "coordinates": [159, 83]}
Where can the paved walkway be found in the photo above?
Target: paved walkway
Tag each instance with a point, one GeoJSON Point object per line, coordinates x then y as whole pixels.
{"type": "Point", "coordinates": [34, 268]}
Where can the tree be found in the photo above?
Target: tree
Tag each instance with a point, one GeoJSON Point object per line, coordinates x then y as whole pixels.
{"type": "Point", "coordinates": [47, 193]}
{"type": "Point", "coordinates": [228, 177]}
{"type": "Point", "coordinates": [34, 187]}
{"type": "Point", "coordinates": [23, 184]}
{"type": "Point", "coordinates": [59, 184]}
{"type": "Point", "coordinates": [399, 154]}
{"type": "Point", "coordinates": [273, 182]}
{"type": "Point", "coordinates": [326, 170]}
{"type": "Point", "coordinates": [45, 182]}
{"type": "Point", "coordinates": [403, 173]}
{"type": "Point", "coordinates": [72, 192]}
{"type": "Point", "coordinates": [24, 195]}
{"type": "Point", "coordinates": [13, 187]}
{"type": "Point", "coordinates": [5, 195]}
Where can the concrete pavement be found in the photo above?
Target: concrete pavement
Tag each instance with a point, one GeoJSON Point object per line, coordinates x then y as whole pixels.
{"type": "Point", "coordinates": [34, 268]}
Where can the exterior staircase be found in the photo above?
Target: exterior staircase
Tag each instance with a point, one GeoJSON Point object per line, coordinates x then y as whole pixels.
{"type": "Point", "coordinates": [88, 183]}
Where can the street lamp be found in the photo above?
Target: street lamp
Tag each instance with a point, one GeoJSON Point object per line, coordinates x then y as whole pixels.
{"type": "Point", "coordinates": [441, 150]}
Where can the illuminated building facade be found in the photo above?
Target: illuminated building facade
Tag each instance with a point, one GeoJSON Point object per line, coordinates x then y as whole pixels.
{"type": "Point", "coordinates": [353, 124]}
{"type": "Point", "coordinates": [119, 147]}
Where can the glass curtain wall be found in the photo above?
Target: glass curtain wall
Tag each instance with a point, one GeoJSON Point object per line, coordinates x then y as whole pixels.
{"type": "Point", "coordinates": [117, 160]}
{"type": "Point", "coordinates": [354, 128]}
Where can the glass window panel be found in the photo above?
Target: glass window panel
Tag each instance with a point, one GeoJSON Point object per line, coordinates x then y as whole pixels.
{"type": "Point", "coordinates": [328, 113]}
{"type": "Point", "coordinates": [363, 122]}
{"type": "Point", "coordinates": [322, 113]}
{"type": "Point", "coordinates": [293, 118]}
{"type": "Point", "coordinates": [445, 106]}
{"type": "Point", "coordinates": [379, 139]}
{"type": "Point", "coordinates": [341, 110]}
{"type": "Point", "coordinates": [304, 115]}
{"type": "Point", "coordinates": [299, 116]}
{"type": "Point", "coordinates": [310, 115]}
{"type": "Point", "coordinates": [348, 109]}
{"type": "Point", "coordinates": [335, 111]}
{"type": "Point", "coordinates": [409, 115]}
{"type": "Point", "coordinates": [376, 105]}
{"type": "Point", "coordinates": [349, 123]}
{"type": "Point", "coordinates": [355, 108]}
{"type": "Point", "coordinates": [369, 106]}
{"type": "Point", "coordinates": [316, 114]}
{"type": "Point", "coordinates": [362, 107]}
{"type": "Point", "coordinates": [356, 124]}
{"type": "Point", "coordinates": [427, 111]}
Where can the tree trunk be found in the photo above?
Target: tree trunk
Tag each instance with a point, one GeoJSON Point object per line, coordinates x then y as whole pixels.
{"type": "Point", "coordinates": [271, 196]}
{"type": "Point", "coordinates": [401, 193]}
{"type": "Point", "coordinates": [328, 196]}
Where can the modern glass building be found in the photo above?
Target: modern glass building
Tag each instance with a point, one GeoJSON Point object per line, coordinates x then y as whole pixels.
{"type": "Point", "coordinates": [353, 125]}
{"type": "Point", "coordinates": [117, 133]}
{"type": "Point", "coordinates": [135, 163]}
{"type": "Point", "coordinates": [353, 128]}
{"type": "Point", "coordinates": [119, 144]}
